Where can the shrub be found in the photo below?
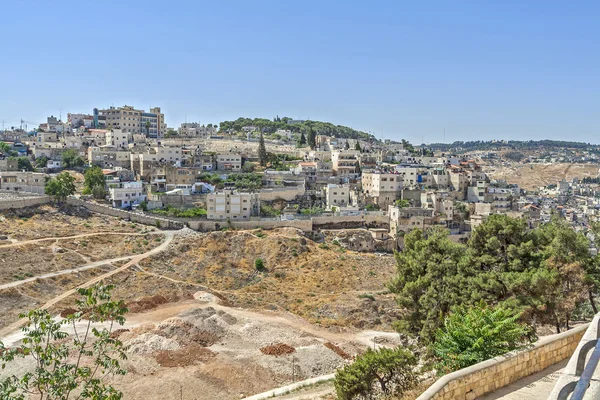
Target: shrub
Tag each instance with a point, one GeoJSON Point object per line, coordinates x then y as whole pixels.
{"type": "Point", "coordinates": [392, 371]}
{"type": "Point", "coordinates": [259, 265]}
{"type": "Point", "coordinates": [474, 334]}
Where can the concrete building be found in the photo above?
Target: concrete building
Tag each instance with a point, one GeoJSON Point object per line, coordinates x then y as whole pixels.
{"type": "Point", "coordinates": [345, 162]}
{"type": "Point", "coordinates": [382, 188]}
{"type": "Point", "coordinates": [109, 157]}
{"type": "Point", "coordinates": [9, 164]}
{"type": "Point", "coordinates": [126, 194]}
{"type": "Point", "coordinates": [129, 119]}
{"type": "Point", "coordinates": [501, 199]}
{"type": "Point", "coordinates": [232, 205]}
{"type": "Point", "coordinates": [337, 196]}
{"type": "Point", "coordinates": [119, 139]}
{"type": "Point", "coordinates": [229, 162]}
{"type": "Point", "coordinates": [403, 220]}
{"type": "Point", "coordinates": [19, 181]}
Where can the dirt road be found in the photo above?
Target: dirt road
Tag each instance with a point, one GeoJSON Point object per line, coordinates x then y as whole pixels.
{"type": "Point", "coordinates": [133, 260]}
{"type": "Point", "coordinates": [25, 242]}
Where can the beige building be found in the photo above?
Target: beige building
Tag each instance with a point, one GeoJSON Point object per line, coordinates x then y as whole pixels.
{"type": "Point", "coordinates": [33, 182]}
{"type": "Point", "coordinates": [119, 139]}
{"type": "Point", "coordinates": [108, 157]}
{"type": "Point", "coordinates": [232, 205]}
{"type": "Point", "coordinates": [337, 196]}
{"type": "Point", "coordinates": [403, 220]}
{"type": "Point", "coordinates": [382, 188]}
{"type": "Point", "coordinates": [344, 162]}
{"type": "Point", "coordinates": [129, 119]}
{"type": "Point", "coordinates": [229, 162]}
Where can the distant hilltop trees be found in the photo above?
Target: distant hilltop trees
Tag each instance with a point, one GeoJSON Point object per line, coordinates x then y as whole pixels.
{"type": "Point", "coordinates": [296, 126]}
{"type": "Point", "coordinates": [514, 144]}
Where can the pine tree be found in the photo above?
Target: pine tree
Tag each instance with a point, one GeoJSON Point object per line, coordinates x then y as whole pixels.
{"type": "Point", "coordinates": [262, 151]}
{"type": "Point", "coordinates": [357, 146]}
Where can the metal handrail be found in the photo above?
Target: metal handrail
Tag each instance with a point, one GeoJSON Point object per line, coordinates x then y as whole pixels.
{"type": "Point", "coordinates": [587, 374]}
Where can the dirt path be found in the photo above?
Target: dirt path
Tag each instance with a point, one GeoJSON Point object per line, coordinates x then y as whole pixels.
{"type": "Point", "coordinates": [56, 239]}
{"type": "Point", "coordinates": [133, 260]}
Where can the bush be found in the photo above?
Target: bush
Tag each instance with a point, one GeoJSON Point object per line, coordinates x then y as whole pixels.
{"type": "Point", "coordinates": [475, 334]}
{"type": "Point", "coordinates": [391, 371]}
{"type": "Point", "coordinates": [259, 265]}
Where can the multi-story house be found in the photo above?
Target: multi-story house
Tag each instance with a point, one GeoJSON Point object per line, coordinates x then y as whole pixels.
{"type": "Point", "coordinates": [126, 194]}
{"type": "Point", "coordinates": [108, 157]}
{"type": "Point", "coordinates": [382, 188]}
{"type": "Point", "coordinates": [403, 220]}
{"type": "Point", "coordinates": [230, 204]}
{"type": "Point", "coordinates": [345, 162]}
{"type": "Point", "coordinates": [229, 162]}
{"type": "Point", "coordinates": [337, 196]}
{"type": "Point", "coordinates": [119, 139]}
{"type": "Point", "coordinates": [129, 119]}
{"type": "Point", "coordinates": [20, 181]}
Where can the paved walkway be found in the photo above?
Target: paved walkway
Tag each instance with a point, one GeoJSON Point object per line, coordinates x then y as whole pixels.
{"type": "Point", "coordinates": [533, 387]}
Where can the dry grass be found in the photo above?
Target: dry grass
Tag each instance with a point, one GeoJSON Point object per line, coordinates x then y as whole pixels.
{"type": "Point", "coordinates": [532, 176]}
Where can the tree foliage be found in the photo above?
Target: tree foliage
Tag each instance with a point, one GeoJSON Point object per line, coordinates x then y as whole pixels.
{"type": "Point", "coordinates": [542, 274]}
{"type": "Point", "coordinates": [474, 334]}
{"type": "Point", "coordinates": [60, 187]}
{"type": "Point", "coordinates": [93, 177]}
{"type": "Point", "coordinates": [66, 366]}
{"type": "Point", "coordinates": [262, 151]}
{"type": "Point", "coordinates": [391, 371]}
{"type": "Point", "coordinates": [71, 159]}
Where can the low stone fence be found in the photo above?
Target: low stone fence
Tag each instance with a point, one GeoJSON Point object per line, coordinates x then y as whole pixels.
{"type": "Point", "coordinates": [211, 225]}
{"type": "Point", "coordinates": [164, 223]}
{"type": "Point", "coordinates": [487, 376]}
{"type": "Point", "coordinates": [11, 201]}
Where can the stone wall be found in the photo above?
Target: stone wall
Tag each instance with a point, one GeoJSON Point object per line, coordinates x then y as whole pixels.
{"type": "Point", "coordinates": [22, 202]}
{"type": "Point", "coordinates": [130, 216]}
{"type": "Point", "coordinates": [207, 226]}
{"type": "Point", "coordinates": [487, 376]}
{"type": "Point", "coordinates": [351, 221]}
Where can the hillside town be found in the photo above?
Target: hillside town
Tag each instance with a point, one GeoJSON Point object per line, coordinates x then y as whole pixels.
{"type": "Point", "coordinates": [249, 173]}
{"type": "Point", "coordinates": [230, 181]}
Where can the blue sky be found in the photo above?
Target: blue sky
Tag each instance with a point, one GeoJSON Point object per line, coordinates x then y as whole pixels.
{"type": "Point", "coordinates": [401, 69]}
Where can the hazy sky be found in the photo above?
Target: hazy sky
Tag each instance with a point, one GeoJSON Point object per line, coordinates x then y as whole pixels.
{"type": "Point", "coordinates": [408, 69]}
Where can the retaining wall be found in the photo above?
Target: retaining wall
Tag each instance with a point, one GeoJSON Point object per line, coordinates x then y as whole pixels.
{"type": "Point", "coordinates": [15, 203]}
{"type": "Point", "coordinates": [130, 216]}
{"type": "Point", "coordinates": [487, 376]}
{"type": "Point", "coordinates": [207, 226]}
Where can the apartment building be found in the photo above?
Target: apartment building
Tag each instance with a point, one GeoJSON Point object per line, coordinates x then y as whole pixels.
{"type": "Point", "coordinates": [382, 188]}
{"type": "Point", "coordinates": [403, 220]}
{"type": "Point", "coordinates": [345, 162]}
{"type": "Point", "coordinates": [229, 162]}
{"type": "Point", "coordinates": [126, 194]}
{"type": "Point", "coordinates": [19, 181]}
{"type": "Point", "coordinates": [129, 119]}
{"type": "Point", "coordinates": [108, 157]}
{"type": "Point", "coordinates": [230, 204]}
{"type": "Point", "coordinates": [501, 199]}
{"type": "Point", "coordinates": [119, 139]}
{"type": "Point", "coordinates": [337, 196]}
{"type": "Point", "coordinates": [9, 164]}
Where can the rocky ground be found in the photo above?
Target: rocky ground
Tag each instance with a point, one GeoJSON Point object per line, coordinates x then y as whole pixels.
{"type": "Point", "coordinates": [204, 323]}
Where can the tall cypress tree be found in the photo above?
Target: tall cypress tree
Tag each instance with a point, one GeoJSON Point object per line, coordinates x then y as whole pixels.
{"type": "Point", "coordinates": [312, 140]}
{"type": "Point", "coordinates": [262, 151]}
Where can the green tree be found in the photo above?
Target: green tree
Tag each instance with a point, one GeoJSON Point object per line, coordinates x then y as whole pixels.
{"type": "Point", "coordinates": [93, 177]}
{"type": "Point", "coordinates": [69, 366]}
{"type": "Point", "coordinates": [302, 140]}
{"type": "Point", "coordinates": [391, 371]}
{"type": "Point", "coordinates": [262, 151]}
{"type": "Point", "coordinates": [357, 146]}
{"type": "Point", "coordinates": [431, 278]}
{"type": "Point", "coordinates": [99, 192]}
{"type": "Point", "coordinates": [147, 128]}
{"type": "Point", "coordinates": [402, 203]}
{"type": "Point", "coordinates": [24, 164]}
{"type": "Point", "coordinates": [70, 159]}
{"type": "Point", "coordinates": [311, 138]}
{"type": "Point", "coordinates": [41, 162]}
{"type": "Point", "coordinates": [60, 187]}
{"type": "Point", "coordinates": [4, 148]}
{"type": "Point", "coordinates": [474, 334]}
{"type": "Point", "coordinates": [259, 264]}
